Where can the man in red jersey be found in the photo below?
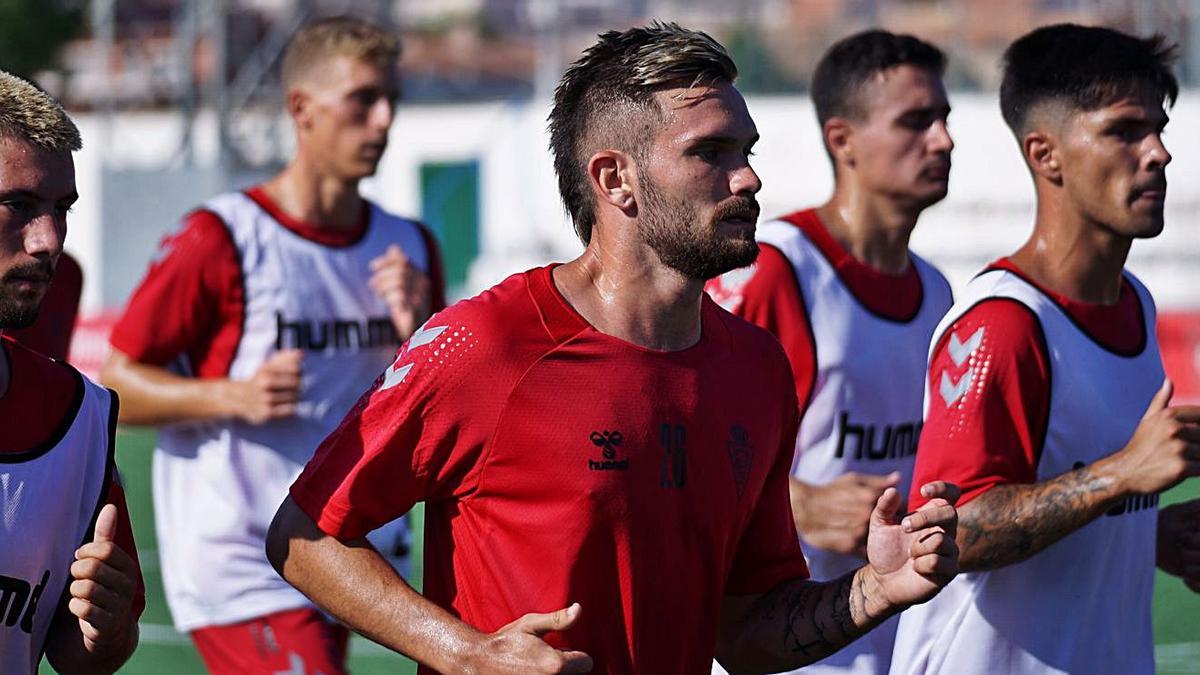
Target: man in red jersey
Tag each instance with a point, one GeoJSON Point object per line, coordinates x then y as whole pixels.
{"type": "Point", "coordinates": [852, 306]}
{"type": "Point", "coordinates": [603, 452]}
{"type": "Point", "coordinates": [69, 578]}
{"type": "Point", "coordinates": [1046, 398]}
{"type": "Point", "coordinates": [254, 332]}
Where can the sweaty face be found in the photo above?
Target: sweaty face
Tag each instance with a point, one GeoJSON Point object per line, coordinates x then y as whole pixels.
{"type": "Point", "coordinates": [1114, 165]}
{"type": "Point", "coordinates": [37, 188]}
{"type": "Point", "coordinates": [696, 205]}
{"type": "Point", "coordinates": [349, 109]}
{"type": "Point", "coordinates": [902, 146]}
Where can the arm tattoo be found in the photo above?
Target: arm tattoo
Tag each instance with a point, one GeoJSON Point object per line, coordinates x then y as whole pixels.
{"type": "Point", "coordinates": [812, 620]}
{"type": "Point", "coordinates": [1010, 523]}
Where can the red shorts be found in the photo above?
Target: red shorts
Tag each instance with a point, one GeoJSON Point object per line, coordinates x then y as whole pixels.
{"type": "Point", "coordinates": [300, 641]}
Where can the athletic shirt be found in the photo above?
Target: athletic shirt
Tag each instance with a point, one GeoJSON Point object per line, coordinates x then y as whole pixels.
{"type": "Point", "coordinates": [857, 341]}
{"type": "Point", "coordinates": [1025, 385]}
{"type": "Point", "coordinates": [217, 484]}
{"type": "Point", "coordinates": [52, 490]}
{"type": "Point", "coordinates": [559, 464]}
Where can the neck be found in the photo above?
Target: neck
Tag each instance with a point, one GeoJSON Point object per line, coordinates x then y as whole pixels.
{"type": "Point", "coordinates": [872, 229]}
{"type": "Point", "coordinates": [1073, 255]}
{"type": "Point", "coordinates": [622, 289]}
{"type": "Point", "coordinates": [315, 197]}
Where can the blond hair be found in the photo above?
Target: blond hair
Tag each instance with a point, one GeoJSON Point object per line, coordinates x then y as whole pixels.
{"type": "Point", "coordinates": [327, 38]}
{"type": "Point", "coordinates": [29, 114]}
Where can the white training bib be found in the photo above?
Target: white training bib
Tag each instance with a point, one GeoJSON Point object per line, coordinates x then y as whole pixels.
{"type": "Point", "coordinates": [217, 485]}
{"type": "Point", "coordinates": [51, 496]}
{"type": "Point", "coordinates": [1082, 605]}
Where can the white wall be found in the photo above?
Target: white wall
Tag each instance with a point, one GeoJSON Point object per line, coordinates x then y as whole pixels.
{"type": "Point", "coordinates": [988, 213]}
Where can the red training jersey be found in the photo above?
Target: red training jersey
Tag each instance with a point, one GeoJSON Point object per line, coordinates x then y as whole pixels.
{"type": "Point", "coordinates": [559, 464]}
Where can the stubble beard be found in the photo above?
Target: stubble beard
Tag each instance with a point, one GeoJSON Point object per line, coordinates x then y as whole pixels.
{"type": "Point", "coordinates": [672, 229]}
{"type": "Point", "coordinates": [14, 311]}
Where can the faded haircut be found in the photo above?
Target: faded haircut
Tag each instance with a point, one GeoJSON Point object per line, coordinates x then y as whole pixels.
{"type": "Point", "coordinates": [854, 61]}
{"type": "Point", "coordinates": [606, 100]}
{"type": "Point", "coordinates": [1084, 68]}
{"type": "Point", "coordinates": [325, 39]}
{"type": "Point", "coordinates": [30, 114]}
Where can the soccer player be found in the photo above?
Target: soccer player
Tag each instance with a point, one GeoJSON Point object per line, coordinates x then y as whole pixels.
{"type": "Point", "coordinates": [1046, 399]}
{"type": "Point", "coordinates": [853, 307]}
{"type": "Point", "coordinates": [253, 333]}
{"type": "Point", "coordinates": [603, 452]}
{"type": "Point", "coordinates": [70, 586]}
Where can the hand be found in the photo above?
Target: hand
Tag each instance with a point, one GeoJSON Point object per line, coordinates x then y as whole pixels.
{"type": "Point", "coordinates": [273, 391]}
{"type": "Point", "coordinates": [103, 589]}
{"type": "Point", "coordinates": [1179, 542]}
{"type": "Point", "coordinates": [1164, 449]}
{"type": "Point", "coordinates": [914, 558]}
{"type": "Point", "coordinates": [836, 516]}
{"type": "Point", "coordinates": [519, 648]}
{"type": "Point", "coordinates": [404, 288]}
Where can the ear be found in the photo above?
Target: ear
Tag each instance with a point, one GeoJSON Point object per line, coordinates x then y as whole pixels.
{"type": "Point", "coordinates": [298, 103]}
{"type": "Point", "coordinates": [839, 140]}
{"type": "Point", "coordinates": [1042, 155]}
{"type": "Point", "coordinates": [610, 173]}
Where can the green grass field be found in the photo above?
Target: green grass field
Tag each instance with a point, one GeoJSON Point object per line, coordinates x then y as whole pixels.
{"type": "Point", "coordinates": [162, 650]}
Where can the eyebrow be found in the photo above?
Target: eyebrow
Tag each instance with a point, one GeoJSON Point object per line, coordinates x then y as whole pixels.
{"type": "Point", "coordinates": [30, 194]}
{"type": "Point", "coordinates": [721, 139]}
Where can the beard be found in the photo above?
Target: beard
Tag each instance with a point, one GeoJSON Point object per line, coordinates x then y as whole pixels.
{"type": "Point", "coordinates": [673, 230]}
{"type": "Point", "coordinates": [18, 310]}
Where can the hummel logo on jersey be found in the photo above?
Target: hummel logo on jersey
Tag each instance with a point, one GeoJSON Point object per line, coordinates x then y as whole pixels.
{"type": "Point", "coordinates": [12, 500]}
{"type": "Point", "coordinates": [396, 373]}
{"type": "Point", "coordinates": [895, 440]}
{"type": "Point", "coordinates": [959, 351]}
{"type": "Point", "coordinates": [951, 391]}
{"type": "Point", "coordinates": [608, 442]}
{"type": "Point", "coordinates": [15, 595]}
{"type": "Point", "coordinates": [337, 334]}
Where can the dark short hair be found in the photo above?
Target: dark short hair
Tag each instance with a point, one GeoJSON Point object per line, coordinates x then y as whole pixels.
{"type": "Point", "coordinates": [1085, 67]}
{"type": "Point", "coordinates": [853, 61]}
{"type": "Point", "coordinates": [614, 81]}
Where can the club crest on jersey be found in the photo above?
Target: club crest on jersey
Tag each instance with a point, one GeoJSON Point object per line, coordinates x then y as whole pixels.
{"type": "Point", "coordinates": [741, 456]}
{"type": "Point", "coordinates": [396, 373]}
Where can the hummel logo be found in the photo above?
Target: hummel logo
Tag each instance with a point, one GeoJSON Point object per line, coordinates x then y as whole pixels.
{"type": "Point", "coordinates": [395, 375]}
{"type": "Point", "coordinates": [12, 501]}
{"type": "Point", "coordinates": [959, 351]}
{"type": "Point", "coordinates": [952, 391]}
{"type": "Point", "coordinates": [607, 441]}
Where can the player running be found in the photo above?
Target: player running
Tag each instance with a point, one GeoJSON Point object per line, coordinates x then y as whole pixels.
{"type": "Point", "coordinates": [251, 336]}
{"type": "Point", "coordinates": [1046, 399]}
{"type": "Point", "coordinates": [853, 307]}
{"type": "Point", "coordinates": [603, 452]}
{"type": "Point", "coordinates": [70, 586]}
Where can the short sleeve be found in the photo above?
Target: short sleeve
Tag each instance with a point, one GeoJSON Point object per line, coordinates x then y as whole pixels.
{"type": "Point", "coordinates": [192, 290]}
{"type": "Point", "coordinates": [769, 550]}
{"type": "Point", "coordinates": [416, 435]}
{"type": "Point", "coordinates": [988, 402]}
{"type": "Point", "coordinates": [767, 294]}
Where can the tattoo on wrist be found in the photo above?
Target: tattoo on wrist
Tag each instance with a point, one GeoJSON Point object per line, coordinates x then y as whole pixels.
{"type": "Point", "coordinates": [1010, 523]}
{"type": "Point", "coordinates": [817, 618]}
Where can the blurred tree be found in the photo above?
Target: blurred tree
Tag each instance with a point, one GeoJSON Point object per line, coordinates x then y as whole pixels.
{"type": "Point", "coordinates": [758, 73]}
{"type": "Point", "coordinates": [33, 31]}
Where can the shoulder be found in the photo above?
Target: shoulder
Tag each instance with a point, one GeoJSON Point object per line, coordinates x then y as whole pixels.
{"type": "Point", "coordinates": [770, 269]}
{"type": "Point", "coordinates": [503, 316]}
{"type": "Point", "coordinates": [996, 325]}
{"type": "Point", "coordinates": [932, 278]}
{"type": "Point", "coordinates": [782, 233]}
{"type": "Point", "coordinates": [754, 346]}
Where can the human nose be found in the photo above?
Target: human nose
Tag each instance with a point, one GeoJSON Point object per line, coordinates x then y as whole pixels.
{"type": "Point", "coordinates": [745, 179]}
{"type": "Point", "coordinates": [44, 234]}
{"type": "Point", "coordinates": [382, 113]}
{"type": "Point", "coordinates": [1158, 156]}
{"type": "Point", "coordinates": [939, 137]}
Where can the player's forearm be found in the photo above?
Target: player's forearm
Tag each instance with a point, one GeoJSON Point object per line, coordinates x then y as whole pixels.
{"type": "Point", "coordinates": [799, 622]}
{"type": "Point", "coordinates": [1011, 523]}
{"type": "Point", "coordinates": [152, 395]}
{"type": "Point", "coordinates": [67, 654]}
{"type": "Point", "coordinates": [354, 583]}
